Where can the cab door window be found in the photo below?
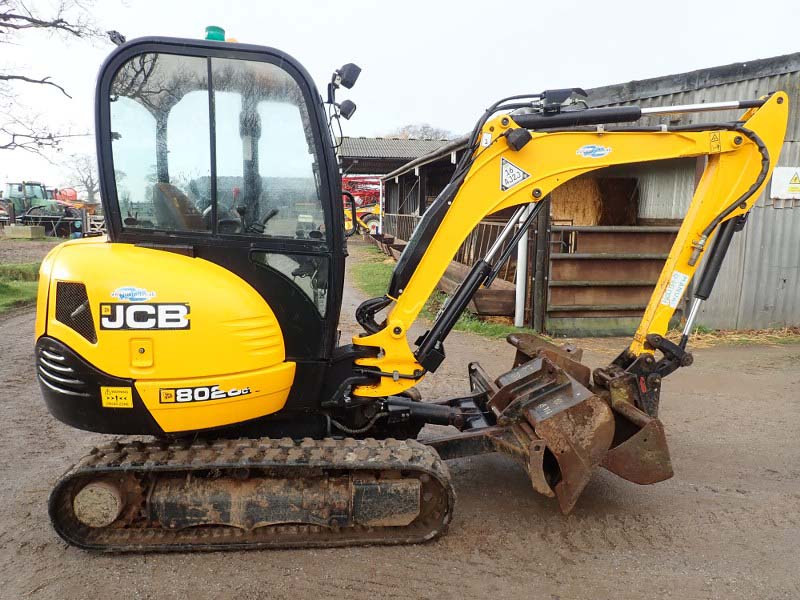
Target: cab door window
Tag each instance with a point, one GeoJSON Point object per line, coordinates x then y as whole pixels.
{"type": "Point", "coordinates": [267, 172]}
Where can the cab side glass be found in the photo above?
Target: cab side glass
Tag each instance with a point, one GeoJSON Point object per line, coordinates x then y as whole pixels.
{"type": "Point", "coordinates": [309, 272]}
{"type": "Point", "coordinates": [161, 143]}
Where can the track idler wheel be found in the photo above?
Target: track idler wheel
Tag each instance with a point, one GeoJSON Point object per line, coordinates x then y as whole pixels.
{"type": "Point", "coordinates": [98, 504]}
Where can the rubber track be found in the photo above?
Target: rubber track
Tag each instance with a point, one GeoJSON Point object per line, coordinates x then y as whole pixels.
{"type": "Point", "coordinates": [137, 461]}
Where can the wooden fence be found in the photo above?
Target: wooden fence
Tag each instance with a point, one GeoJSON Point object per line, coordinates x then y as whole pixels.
{"type": "Point", "coordinates": [474, 247]}
{"type": "Point", "coordinates": [582, 280]}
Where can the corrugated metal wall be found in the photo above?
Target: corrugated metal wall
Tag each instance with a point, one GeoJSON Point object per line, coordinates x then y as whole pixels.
{"type": "Point", "coordinates": [759, 285]}
{"type": "Point", "coordinates": [665, 187]}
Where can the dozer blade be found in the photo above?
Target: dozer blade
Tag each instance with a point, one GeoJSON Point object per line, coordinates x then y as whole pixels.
{"type": "Point", "coordinates": [253, 493]}
{"type": "Point", "coordinates": [578, 437]}
{"type": "Point", "coordinates": [550, 419]}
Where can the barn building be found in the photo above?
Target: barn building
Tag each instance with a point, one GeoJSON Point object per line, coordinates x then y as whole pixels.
{"type": "Point", "coordinates": [380, 155]}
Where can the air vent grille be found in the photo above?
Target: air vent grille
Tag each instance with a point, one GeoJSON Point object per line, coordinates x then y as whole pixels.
{"type": "Point", "coordinates": [57, 374]}
{"type": "Point", "coordinates": [72, 309]}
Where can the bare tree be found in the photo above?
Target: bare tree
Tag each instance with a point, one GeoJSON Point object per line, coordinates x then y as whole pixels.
{"type": "Point", "coordinates": [82, 176]}
{"type": "Point", "coordinates": [69, 19]}
{"type": "Point", "coordinates": [422, 131]}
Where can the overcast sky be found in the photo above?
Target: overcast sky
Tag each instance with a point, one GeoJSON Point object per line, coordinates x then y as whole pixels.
{"type": "Point", "coordinates": [439, 62]}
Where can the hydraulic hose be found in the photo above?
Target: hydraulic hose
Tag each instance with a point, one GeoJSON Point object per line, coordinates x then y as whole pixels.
{"type": "Point", "coordinates": [741, 201]}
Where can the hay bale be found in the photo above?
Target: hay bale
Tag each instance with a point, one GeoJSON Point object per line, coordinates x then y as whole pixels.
{"type": "Point", "coordinates": [578, 202]}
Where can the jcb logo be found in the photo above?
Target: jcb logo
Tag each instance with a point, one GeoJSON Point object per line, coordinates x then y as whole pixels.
{"type": "Point", "coordinates": [150, 316]}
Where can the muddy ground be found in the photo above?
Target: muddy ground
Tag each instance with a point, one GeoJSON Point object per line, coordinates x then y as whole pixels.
{"type": "Point", "coordinates": [726, 526]}
{"type": "Point", "coordinates": [24, 251]}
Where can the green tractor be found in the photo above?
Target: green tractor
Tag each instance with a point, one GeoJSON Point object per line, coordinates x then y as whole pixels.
{"type": "Point", "coordinates": [21, 197]}
{"type": "Point", "coordinates": [28, 203]}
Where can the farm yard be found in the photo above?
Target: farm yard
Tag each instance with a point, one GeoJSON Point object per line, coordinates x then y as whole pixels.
{"type": "Point", "coordinates": [726, 526]}
{"type": "Point", "coordinates": [427, 324]}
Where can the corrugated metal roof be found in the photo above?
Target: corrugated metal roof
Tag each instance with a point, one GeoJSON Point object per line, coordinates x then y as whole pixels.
{"type": "Point", "coordinates": [742, 90]}
{"type": "Point", "coordinates": [366, 147]}
{"type": "Point", "coordinates": [700, 79]}
{"type": "Point", "coordinates": [455, 145]}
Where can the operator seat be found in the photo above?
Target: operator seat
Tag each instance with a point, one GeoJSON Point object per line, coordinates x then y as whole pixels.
{"type": "Point", "coordinates": [174, 210]}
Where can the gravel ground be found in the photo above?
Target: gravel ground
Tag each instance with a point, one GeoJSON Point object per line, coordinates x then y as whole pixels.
{"type": "Point", "coordinates": [726, 526]}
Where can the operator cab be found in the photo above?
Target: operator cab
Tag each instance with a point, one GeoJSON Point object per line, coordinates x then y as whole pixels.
{"type": "Point", "coordinates": [222, 151]}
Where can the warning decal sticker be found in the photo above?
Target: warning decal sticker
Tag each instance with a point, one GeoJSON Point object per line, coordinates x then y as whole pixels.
{"type": "Point", "coordinates": [116, 397]}
{"type": "Point", "coordinates": [674, 292]}
{"type": "Point", "coordinates": [510, 175]}
{"type": "Point", "coordinates": [794, 183]}
{"type": "Point", "coordinates": [715, 144]}
{"type": "Point", "coordinates": [785, 185]}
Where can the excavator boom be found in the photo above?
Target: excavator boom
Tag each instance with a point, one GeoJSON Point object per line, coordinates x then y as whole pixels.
{"type": "Point", "coordinates": [498, 175]}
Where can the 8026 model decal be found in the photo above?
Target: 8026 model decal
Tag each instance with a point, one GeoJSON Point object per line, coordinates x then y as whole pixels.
{"type": "Point", "coordinates": [139, 315]}
{"type": "Point", "coordinates": [198, 394]}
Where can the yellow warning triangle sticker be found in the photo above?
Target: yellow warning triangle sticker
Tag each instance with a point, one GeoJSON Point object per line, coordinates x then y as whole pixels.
{"type": "Point", "coordinates": [715, 136]}
{"type": "Point", "coordinates": [795, 178]}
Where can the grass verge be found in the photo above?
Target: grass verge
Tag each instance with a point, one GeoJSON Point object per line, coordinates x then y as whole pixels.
{"type": "Point", "coordinates": [373, 271]}
{"type": "Point", "coordinates": [18, 285]}
{"type": "Point", "coordinates": [491, 327]}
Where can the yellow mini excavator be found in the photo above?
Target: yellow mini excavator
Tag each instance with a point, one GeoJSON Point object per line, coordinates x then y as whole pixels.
{"type": "Point", "coordinates": [205, 323]}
